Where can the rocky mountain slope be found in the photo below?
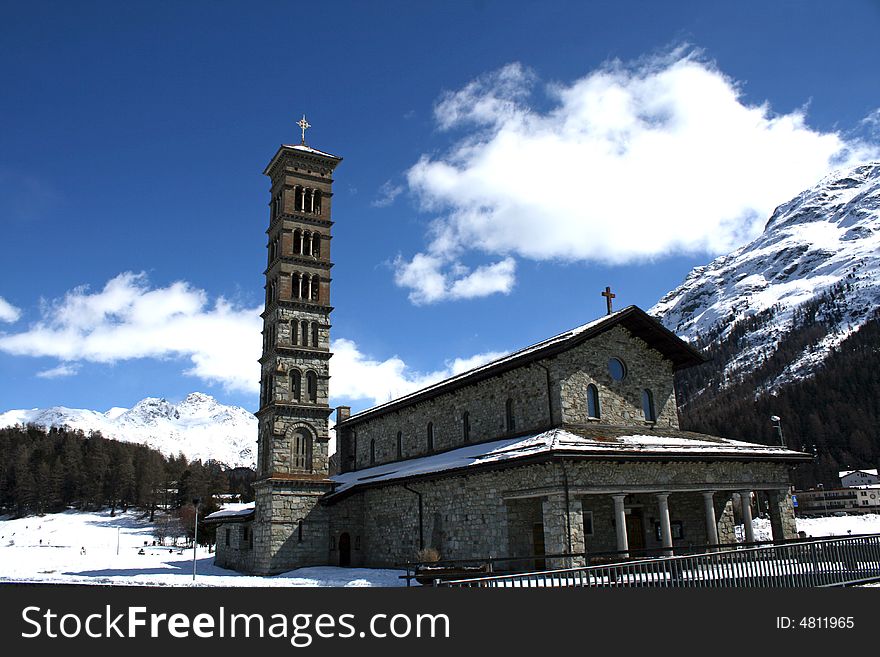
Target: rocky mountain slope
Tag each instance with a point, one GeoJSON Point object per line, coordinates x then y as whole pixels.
{"type": "Point", "coordinates": [817, 264]}
{"type": "Point", "coordinates": [200, 427]}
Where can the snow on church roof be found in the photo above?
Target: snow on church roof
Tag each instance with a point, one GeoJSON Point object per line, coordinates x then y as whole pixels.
{"type": "Point", "coordinates": [594, 441]}
{"type": "Point", "coordinates": [309, 149]}
{"type": "Point", "coordinates": [230, 511]}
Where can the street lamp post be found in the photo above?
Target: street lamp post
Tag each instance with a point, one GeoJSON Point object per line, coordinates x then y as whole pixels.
{"type": "Point", "coordinates": [824, 497]}
{"type": "Point", "coordinates": [195, 535]}
{"type": "Point", "coordinates": [777, 422]}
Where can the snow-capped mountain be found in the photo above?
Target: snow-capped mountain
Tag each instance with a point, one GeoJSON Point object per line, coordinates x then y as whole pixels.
{"type": "Point", "coordinates": [200, 427]}
{"type": "Point", "coordinates": [821, 249]}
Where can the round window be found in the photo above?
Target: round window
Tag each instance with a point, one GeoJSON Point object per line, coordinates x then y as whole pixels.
{"type": "Point", "coordinates": [616, 369]}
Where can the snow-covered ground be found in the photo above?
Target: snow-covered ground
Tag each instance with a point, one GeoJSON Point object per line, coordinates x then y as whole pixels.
{"type": "Point", "coordinates": [49, 549]}
{"type": "Point", "coordinates": [868, 523]}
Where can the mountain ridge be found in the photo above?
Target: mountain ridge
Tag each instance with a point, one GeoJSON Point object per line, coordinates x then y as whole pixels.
{"type": "Point", "coordinates": [199, 426]}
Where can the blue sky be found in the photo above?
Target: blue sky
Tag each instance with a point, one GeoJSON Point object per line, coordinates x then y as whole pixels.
{"type": "Point", "coordinates": [503, 163]}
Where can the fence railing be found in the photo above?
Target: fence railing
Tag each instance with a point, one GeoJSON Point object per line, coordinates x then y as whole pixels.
{"type": "Point", "coordinates": [820, 562]}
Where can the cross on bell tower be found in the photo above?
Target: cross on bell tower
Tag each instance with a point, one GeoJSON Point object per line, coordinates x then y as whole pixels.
{"type": "Point", "coordinates": [608, 297]}
{"type": "Point", "coordinates": [304, 125]}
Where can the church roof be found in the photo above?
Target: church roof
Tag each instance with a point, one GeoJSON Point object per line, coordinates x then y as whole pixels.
{"type": "Point", "coordinates": [308, 150]}
{"type": "Point", "coordinates": [633, 318]}
{"type": "Point", "coordinates": [238, 512]}
{"type": "Point", "coordinates": [595, 441]}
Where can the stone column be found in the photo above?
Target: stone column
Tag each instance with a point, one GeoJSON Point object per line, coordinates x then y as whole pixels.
{"type": "Point", "coordinates": [782, 520]}
{"type": "Point", "coordinates": [711, 523]}
{"type": "Point", "coordinates": [746, 504]}
{"type": "Point", "coordinates": [563, 530]}
{"type": "Point", "coordinates": [665, 524]}
{"type": "Point", "coordinates": [620, 524]}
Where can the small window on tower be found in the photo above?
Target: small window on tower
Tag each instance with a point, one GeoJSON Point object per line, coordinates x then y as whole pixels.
{"type": "Point", "coordinates": [312, 382]}
{"type": "Point", "coordinates": [304, 333]}
{"type": "Point", "coordinates": [315, 334]}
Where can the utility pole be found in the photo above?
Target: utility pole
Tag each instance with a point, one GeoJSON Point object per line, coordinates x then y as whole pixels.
{"type": "Point", "coordinates": [195, 535]}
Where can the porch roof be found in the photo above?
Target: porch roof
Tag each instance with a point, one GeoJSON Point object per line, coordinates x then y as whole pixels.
{"type": "Point", "coordinates": [591, 441]}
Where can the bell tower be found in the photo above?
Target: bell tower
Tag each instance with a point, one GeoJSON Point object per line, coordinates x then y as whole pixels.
{"type": "Point", "coordinates": [290, 529]}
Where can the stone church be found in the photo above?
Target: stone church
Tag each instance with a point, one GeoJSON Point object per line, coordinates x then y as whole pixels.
{"type": "Point", "coordinates": [568, 446]}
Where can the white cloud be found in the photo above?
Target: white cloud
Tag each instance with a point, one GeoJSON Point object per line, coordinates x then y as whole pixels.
{"type": "Point", "coordinates": [62, 370]}
{"type": "Point", "coordinates": [8, 312]}
{"type": "Point", "coordinates": [358, 376]}
{"type": "Point", "coordinates": [388, 192]}
{"type": "Point", "coordinates": [425, 276]}
{"type": "Point", "coordinates": [629, 163]}
{"type": "Point", "coordinates": [129, 319]}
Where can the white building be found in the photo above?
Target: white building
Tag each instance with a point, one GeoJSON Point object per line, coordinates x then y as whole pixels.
{"type": "Point", "coordinates": [857, 478]}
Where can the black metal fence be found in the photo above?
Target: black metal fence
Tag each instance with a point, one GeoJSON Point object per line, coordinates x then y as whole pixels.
{"type": "Point", "coordinates": [817, 562]}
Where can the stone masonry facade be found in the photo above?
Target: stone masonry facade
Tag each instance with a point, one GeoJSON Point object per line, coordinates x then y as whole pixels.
{"type": "Point", "coordinates": [536, 405]}
{"type": "Point", "coordinates": [493, 513]}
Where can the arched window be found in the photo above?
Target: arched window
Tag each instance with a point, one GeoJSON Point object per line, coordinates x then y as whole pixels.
{"type": "Point", "coordinates": [593, 401]}
{"type": "Point", "coordinates": [317, 208]}
{"type": "Point", "coordinates": [304, 333]}
{"type": "Point", "coordinates": [301, 449]}
{"type": "Point", "coordinates": [316, 286]}
{"type": "Point", "coordinates": [399, 445]}
{"type": "Point", "coordinates": [295, 385]}
{"type": "Point", "coordinates": [297, 241]}
{"type": "Point", "coordinates": [466, 427]}
{"type": "Point", "coordinates": [316, 245]}
{"type": "Point", "coordinates": [508, 413]}
{"type": "Point", "coordinates": [312, 384]}
{"type": "Point", "coordinates": [314, 334]}
{"type": "Point", "coordinates": [307, 242]}
{"type": "Point", "coordinates": [294, 332]}
{"type": "Point", "coordinates": [648, 406]}
{"type": "Point", "coordinates": [373, 452]}
{"type": "Point", "coordinates": [298, 198]}
{"type": "Point", "coordinates": [430, 436]}
{"type": "Point", "coordinates": [308, 198]}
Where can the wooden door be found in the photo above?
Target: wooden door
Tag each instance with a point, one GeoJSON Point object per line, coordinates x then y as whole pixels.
{"type": "Point", "coordinates": [635, 531]}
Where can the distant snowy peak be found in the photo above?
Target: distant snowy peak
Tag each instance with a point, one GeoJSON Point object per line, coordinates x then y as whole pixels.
{"type": "Point", "coordinates": [824, 243]}
{"type": "Point", "coordinates": [199, 427]}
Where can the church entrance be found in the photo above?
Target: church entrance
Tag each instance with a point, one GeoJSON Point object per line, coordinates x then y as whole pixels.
{"type": "Point", "coordinates": [344, 550]}
{"type": "Point", "coordinates": [635, 530]}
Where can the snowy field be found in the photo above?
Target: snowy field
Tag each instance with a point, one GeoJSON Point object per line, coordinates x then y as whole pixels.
{"type": "Point", "coordinates": [49, 549]}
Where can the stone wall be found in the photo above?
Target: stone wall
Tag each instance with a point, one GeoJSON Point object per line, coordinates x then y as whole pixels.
{"type": "Point", "coordinates": [291, 527]}
{"type": "Point", "coordinates": [235, 546]}
{"type": "Point", "coordinates": [620, 402]}
{"type": "Point", "coordinates": [485, 402]}
{"type": "Point", "coordinates": [493, 512]}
